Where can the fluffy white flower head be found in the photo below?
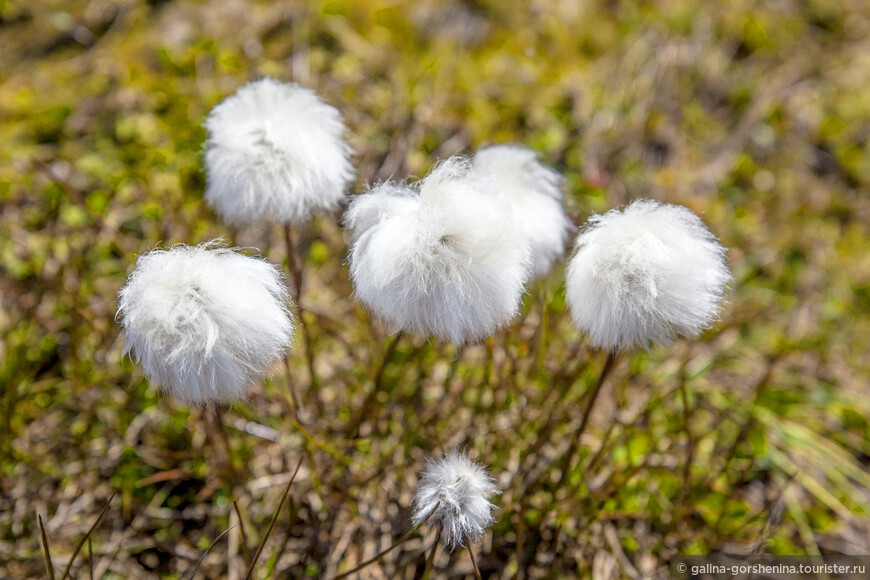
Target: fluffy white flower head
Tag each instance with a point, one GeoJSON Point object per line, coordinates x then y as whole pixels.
{"type": "Point", "coordinates": [461, 489]}
{"type": "Point", "coordinates": [368, 209]}
{"type": "Point", "coordinates": [275, 153]}
{"type": "Point", "coordinates": [205, 322]}
{"type": "Point", "coordinates": [534, 192]}
{"type": "Point", "coordinates": [644, 275]}
{"type": "Point", "coordinates": [440, 257]}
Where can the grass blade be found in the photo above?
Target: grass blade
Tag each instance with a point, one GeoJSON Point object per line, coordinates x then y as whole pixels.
{"type": "Point", "coordinates": [246, 551]}
{"type": "Point", "coordinates": [272, 523]}
{"type": "Point", "coordinates": [45, 550]}
{"type": "Point", "coordinates": [205, 553]}
{"type": "Point", "coordinates": [86, 538]}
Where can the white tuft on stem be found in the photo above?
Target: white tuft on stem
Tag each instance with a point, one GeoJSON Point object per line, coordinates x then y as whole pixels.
{"type": "Point", "coordinates": [534, 193]}
{"type": "Point", "coordinates": [456, 491]}
{"type": "Point", "coordinates": [205, 322]}
{"type": "Point", "coordinates": [645, 275]}
{"type": "Point", "coordinates": [275, 153]}
{"type": "Point", "coordinates": [440, 257]}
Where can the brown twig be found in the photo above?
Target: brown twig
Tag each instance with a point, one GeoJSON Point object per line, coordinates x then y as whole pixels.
{"type": "Point", "coordinates": [216, 433]}
{"type": "Point", "coordinates": [246, 550]}
{"type": "Point", "coordinates": [294, 398]}
{"type": "Point", "coordinates": [431, 559]}
{"type": "Point", "coordinates": [584, 421]}
{"type": "Point", "coordinates": [690, 439]}
{"type": "Point", "coordinates": [272, 523]}
{"type": "Point", "coordinates": [294, 265]}
{"type": "Point", "coordinates": [474, 563]}
{"type": "Point", "coordinates": [86, 538]}
{"type": "Point", "coordinates": [398, 543]}
{"type": "Point", "coordinates": [199, 562]}
{"type": "Point", "coordinates": [46, 552]}
{"type": "Point", "coordinates": [371, 401]}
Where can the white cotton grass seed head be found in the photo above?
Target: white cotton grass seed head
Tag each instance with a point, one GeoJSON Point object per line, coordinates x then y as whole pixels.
{"type": "Point", "coordinates": [645, 275]}
{"type": "Point", "coordinates": [534, 192]}
{"type": "Point", "coordinates": [205, 322]}
{"type": "Point", "coordinates": [439, 257]}
{"type": "Point", "coordinates": [275, 153]}
{"type": "Point", "coordinates": [367, 210]}
{"type": "Point", "coordinates": [456, 490]}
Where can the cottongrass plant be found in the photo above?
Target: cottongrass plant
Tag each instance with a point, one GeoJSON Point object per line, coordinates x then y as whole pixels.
{"type": "Point", "coordinates": [205, 322]}
{"type": "Point", "coordinates": [534, 193]}
{"type": "Point", "coordinates": [440, 257]}
{"type": "Point", "coordinates": [645, 275]}
{"type": "Point", "coordinates": [454, 495]}
{"type": "Point", "coordinates": [457, 490]}
{"type": "Point", "coordinates": [275, 153]}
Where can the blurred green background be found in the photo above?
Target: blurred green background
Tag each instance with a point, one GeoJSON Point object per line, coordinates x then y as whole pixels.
{"type": "Point", "coordinates": [755, 114]}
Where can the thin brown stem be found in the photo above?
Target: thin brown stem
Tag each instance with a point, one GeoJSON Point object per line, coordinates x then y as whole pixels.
{"type": "Point", "coordinates": [584, 421]}
{"type": "Point", "coordinates": [199, 562]}
{"type": "Point", "coordinates": [293, 263]}
{"type": "Point", "coordinates": [446, 387]}
{"type": "Point", "coordinates": [294, 398]}
{"type": "Point", "coordinates": [602, 448]}
{"type": "Point", "coordinates": [309, 359]}
{"type": "Point", "coordinates": [398, 543]}
{"type": "Point", "coordinates": [246, 550]}
{"type": "Point", "coordinates": [690, 440]}
{"type": "Point", "coordinates": [46, 552]}
{"type": "Point", "coordinates": [262, 545]}
{"type": "Point", "coordinates": [540, 332]}
{"type": "Point", "coordinates": [91, 558]}
{"type": "Point", "coordinates": [431, 559]}
{"type": "Point", "coordinates": [474, 563]}
{"type": "Point", "coordinates": [86, 538]}
{"type": "Point", "coordinates": [294, 266]}
{"type": "Point", "coordinates": [454, 366]}
{"type": "Point", "coordinates": [372, 399]}
{"type": "Point", "coordinates": [520, 545]}
{"type": "Point", "coordinates": [217, 434]}
{"type": "Point", "coordinates": [554, 399]}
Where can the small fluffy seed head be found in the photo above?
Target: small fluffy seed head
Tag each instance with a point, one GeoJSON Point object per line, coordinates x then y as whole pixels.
{"type": "Point", "coordinates": [645, 275]}
{"type": "Point", "coordinates": [440, 257]}
{"type": "Point", "coordinates": [205, 322]}
{"type": "Point", "coordinates": [275, 153]}
{"type": "Point", "coordinates": [461, 489]}
{"type": "Point", "coordinates": [534, 193]}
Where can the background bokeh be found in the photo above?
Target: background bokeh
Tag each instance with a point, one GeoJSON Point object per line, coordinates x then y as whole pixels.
{"type": "Point", "coordinates": [755, 114]}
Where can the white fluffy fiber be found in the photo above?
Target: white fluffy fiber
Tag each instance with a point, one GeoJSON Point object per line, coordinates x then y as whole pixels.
{"type": "Point", "coordinates": [275, 153]}
{"type": "Point", "coordinates": [461, 489]}
{"type": "Point", "coordinates": [367, 210]}
{"type": "Point", "coordinates": [205, 322]}
{"type": "Point", "coordinates": [644, 275]}
{"type": "Point", "coordinates": [534, 192]}
{"type": "Point", "coordinates": [439, 258]}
